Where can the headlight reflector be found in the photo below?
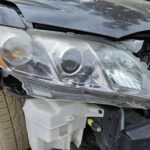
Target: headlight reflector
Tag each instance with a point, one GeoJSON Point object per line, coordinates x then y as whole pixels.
{"type": "Point", "coordinates": [122, 68]}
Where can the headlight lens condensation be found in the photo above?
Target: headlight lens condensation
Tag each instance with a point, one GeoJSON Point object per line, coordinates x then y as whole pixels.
{"type": "Point", "coordinates": [67, 61]}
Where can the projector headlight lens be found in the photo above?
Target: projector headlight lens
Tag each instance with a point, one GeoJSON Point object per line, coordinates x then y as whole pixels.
{"type": "Point", "coordinates": [71, 61]}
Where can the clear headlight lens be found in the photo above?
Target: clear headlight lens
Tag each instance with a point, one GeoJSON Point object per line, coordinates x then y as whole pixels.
{"type": "Point", "coordinates": [66, 61]}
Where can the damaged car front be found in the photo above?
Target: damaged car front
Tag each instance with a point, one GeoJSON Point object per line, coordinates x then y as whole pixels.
{"type": "Point", "coordinates": [83, 68]}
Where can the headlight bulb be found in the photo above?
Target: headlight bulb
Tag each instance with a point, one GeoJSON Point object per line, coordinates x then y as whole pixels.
{"type": "Point", "coordinates": [17, 51]}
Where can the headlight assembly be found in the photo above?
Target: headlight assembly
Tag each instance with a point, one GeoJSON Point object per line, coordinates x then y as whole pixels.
{"type": "Point", "coordinates": [74, 68]}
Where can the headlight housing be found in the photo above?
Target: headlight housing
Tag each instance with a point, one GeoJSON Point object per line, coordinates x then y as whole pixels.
{"type": "Point", "coordinates": [74, 68]}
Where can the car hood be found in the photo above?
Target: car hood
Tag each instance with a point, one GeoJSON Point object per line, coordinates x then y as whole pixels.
{"type": "Point", "coordinates": [113, 18]}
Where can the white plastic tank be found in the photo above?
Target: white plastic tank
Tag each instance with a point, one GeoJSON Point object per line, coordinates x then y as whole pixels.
{"type": "Point", "coordinates": [55, 124]}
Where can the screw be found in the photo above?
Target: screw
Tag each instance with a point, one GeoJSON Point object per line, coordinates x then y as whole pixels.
{"type": "Point", "coordinates": [99, 129]}
{"type": "Point", "coordinates": [100, 111]}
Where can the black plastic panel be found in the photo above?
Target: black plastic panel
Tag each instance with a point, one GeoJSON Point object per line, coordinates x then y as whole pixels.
{"type": "Point", "coordinates": [136, 138]}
